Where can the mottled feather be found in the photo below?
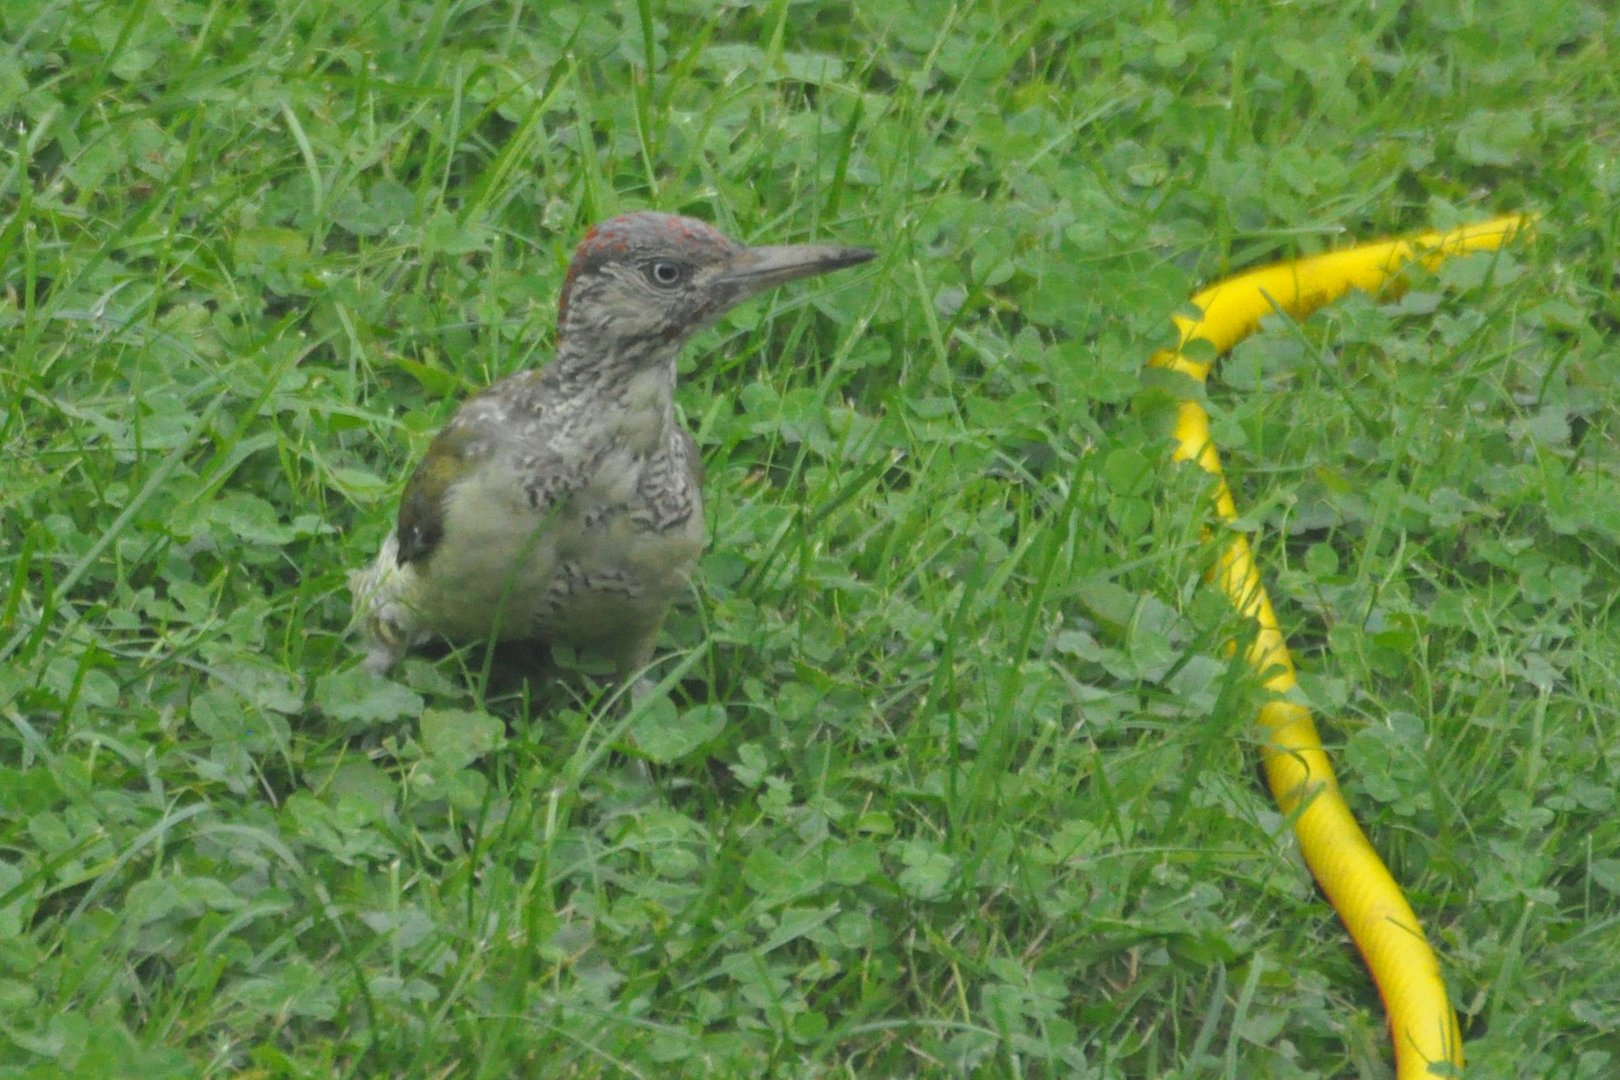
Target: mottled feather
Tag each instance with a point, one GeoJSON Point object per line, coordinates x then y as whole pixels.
{"type": "Point", "coordinates": [566, 503]}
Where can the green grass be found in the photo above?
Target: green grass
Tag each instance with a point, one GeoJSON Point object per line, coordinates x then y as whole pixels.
{"type": "Point", "coordinates": [954, 776]}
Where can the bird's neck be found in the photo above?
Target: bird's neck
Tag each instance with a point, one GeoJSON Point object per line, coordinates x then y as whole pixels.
{"type": "Point", "coordinates": [584, 366]}
{"type": "Point", "coordinates": [627, 398]}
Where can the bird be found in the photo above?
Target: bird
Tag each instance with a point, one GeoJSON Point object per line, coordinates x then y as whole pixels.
{"type": "Point", "coordinates": [564, 504]}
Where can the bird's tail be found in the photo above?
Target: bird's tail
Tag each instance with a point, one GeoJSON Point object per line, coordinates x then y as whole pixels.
{"type": "Point", "coordinates": [382, 611]}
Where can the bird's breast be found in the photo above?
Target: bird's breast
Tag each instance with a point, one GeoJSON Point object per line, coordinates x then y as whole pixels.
{"type": "Point", "coordinates": [621, 544]}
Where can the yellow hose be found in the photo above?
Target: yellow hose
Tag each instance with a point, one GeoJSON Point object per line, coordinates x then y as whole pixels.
{"type": "Point", "coordinates": [1380, 921]}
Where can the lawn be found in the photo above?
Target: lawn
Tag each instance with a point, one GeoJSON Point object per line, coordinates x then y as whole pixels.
{"type": "Point", "coordinates": [950, 772]}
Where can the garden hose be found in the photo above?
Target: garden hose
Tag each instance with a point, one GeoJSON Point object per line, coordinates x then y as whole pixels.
{"type": "Point", "coordinates": [1382, 924]}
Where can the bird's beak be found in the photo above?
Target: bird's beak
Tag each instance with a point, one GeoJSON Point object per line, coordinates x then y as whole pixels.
{"type": "Point", "coordinates": [758, 268]}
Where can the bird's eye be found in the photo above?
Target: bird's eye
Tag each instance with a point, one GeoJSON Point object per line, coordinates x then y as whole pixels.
{"type": "Point", "coordinates": [665, 273]}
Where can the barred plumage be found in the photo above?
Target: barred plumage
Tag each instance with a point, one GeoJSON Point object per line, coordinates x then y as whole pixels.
{"type": "Point", "coordinates": [566, 503]}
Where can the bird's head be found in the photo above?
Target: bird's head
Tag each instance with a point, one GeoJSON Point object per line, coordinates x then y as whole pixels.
{"type": "Point", "coordinates": [642, 283]}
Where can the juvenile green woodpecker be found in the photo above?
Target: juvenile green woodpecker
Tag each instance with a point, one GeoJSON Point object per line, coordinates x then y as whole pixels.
{"type": "Point", "coordinates": [565, 503]}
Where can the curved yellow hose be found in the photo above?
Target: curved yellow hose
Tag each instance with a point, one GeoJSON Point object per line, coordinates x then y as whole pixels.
{"type": "Point", "coordinates": [1357, 883]}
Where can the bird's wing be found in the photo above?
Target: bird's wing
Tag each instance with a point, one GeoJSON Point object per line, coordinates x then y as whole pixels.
{"type": "Point", "coordinates": [688, 457]}
{"type": "Point", "coordinates": [497, 424]}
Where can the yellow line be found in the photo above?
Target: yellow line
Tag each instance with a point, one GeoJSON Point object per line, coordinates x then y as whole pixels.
{"type": "Point", "coordinates": [1376, 914]}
